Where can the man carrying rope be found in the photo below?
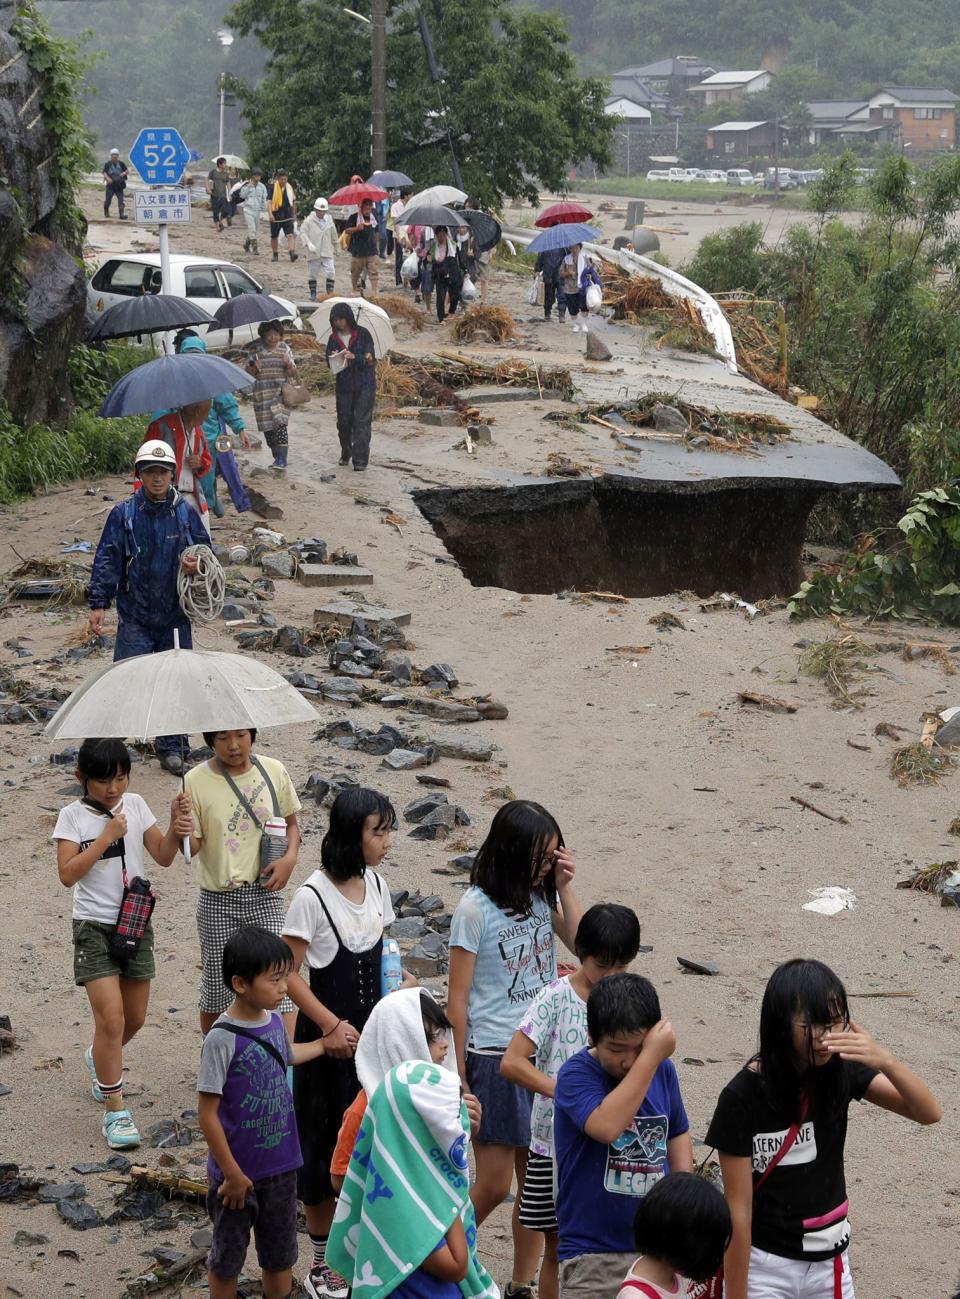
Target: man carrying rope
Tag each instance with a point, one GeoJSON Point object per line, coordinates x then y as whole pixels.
{"type": "Point", "coordinates": [138, 561]}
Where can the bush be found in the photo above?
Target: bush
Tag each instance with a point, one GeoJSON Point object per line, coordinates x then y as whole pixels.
{"type": "Point", "coordinates": [730, 260]}
{"type": "Point", "coordinates": [34, 458]}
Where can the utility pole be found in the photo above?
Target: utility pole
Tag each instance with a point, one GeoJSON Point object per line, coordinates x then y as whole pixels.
{"type": "Point", "coordinates": [378, 84]}
{"type": "Point", "coordinates": [220, 135]}
{"type": "Point", "coordinates": [776, 155]}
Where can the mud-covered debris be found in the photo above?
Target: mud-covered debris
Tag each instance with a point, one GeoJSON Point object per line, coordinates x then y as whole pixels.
{"type": "Point", "coordinates": [667, 621]}
{"type": "Point", "coordinates": [766, 703]}
{"type": "Point", "coordinates": [697, 966]}
{"type": "Point", "coordinates": [79, 1215]}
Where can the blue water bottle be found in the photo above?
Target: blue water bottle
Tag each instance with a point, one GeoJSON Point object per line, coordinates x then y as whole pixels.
{"type": "Point", "coordinates": [391, 974]}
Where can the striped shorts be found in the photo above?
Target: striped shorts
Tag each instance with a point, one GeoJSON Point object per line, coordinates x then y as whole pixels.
{"type": "Point", "coordinates": [220, 915]}
{"type": "Point", "coordinates": [538, 1210]}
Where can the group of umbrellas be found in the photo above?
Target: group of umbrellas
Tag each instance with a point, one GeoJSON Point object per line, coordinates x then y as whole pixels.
{"type": "Point", "coordinates": [431, 207]}
{"type": "Point", "coordinates": [563, 225]}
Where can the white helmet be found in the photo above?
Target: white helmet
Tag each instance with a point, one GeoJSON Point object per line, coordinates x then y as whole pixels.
{"type": "Point", "coordinates": [156, 452]}
{"type": "Point", "coordinates": [321, 204]}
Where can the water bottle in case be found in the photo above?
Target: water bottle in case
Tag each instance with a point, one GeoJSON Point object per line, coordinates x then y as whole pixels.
{"type": "Point", "coordinates": [391, 974]}
{"type": "Point", "coordinates": [273, 844]}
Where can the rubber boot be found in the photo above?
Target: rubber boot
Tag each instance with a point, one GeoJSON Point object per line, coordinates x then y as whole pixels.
{"type": "Point", "coordinates": [312, 287]}
{"type": "Point", "coordinates": [254, 249]}
{"type": "Point", "coordinates": [561, 315]}
{"type": "Point", "coordinates": [246, 244]}
{"type": "Point", "coordinates": [330, 285]}
{"type": "Point", "coordinates": [293, 256]}
{"type": "Point", "coordinates": [276, 257]}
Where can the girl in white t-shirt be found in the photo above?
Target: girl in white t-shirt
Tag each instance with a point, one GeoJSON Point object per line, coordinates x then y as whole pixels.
{"type": "Point", "coordinates": [101, 839]}
{"type": "Point", "coordinates": [335, 924]}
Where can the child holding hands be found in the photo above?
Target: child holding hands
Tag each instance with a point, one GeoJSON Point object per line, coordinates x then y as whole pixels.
{"type": "Point", "coordinates": [246, 1116]}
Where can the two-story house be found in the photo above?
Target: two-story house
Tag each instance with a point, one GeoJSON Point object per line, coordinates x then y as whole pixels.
{"type": "Point", "coordinates": [922, 119]}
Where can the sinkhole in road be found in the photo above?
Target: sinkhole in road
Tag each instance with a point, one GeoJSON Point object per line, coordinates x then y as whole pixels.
{"type": "Point", "coordinates": [616, 534]}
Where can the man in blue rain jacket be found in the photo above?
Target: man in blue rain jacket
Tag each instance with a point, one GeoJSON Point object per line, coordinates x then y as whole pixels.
{"type": "Point", "coordinates": [138, 558]}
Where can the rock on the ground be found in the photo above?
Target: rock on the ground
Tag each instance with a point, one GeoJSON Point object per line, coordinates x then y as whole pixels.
{"type": "Point", "coordinates": [597, 349]}
{"type": "Point", "coordinates": [278, 563]}
{"type": "Point", "coordinates": [420, 807]}
{"type": "Point", "coordinates": [445, 710]}
{"type": "Point", "coordinates": [440, 673]}
{"type": "Point", "coordinates": [405, 760]}
{"type": "Point", "coordinates": [667, 419]}
{"type": "Point", "coordinates": [436, 824]}
{"type": "Point", "coordinates": [467, 747]}
{"type": "Point", "coordinates": [397, 668]}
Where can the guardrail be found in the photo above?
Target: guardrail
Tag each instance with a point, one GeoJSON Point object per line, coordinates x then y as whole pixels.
{"type": "Point", "coordinates": [709, 310]}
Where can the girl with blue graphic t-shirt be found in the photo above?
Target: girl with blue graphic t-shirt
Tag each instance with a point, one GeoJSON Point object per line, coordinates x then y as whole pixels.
{"type": "Point", "coordinates": [502, 954]}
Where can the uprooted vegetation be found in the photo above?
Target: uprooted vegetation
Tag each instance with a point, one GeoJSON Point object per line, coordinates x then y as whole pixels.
{"type": "Point", "coordinates": [662, 417]}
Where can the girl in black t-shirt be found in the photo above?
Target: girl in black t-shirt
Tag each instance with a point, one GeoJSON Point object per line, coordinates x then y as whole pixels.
{"type": "Point", "coordinates": [780, 1127]}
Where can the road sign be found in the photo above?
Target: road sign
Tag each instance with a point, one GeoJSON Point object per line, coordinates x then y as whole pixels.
{"type": "Point", "coordinates": [160, 155]}
{"type": "Point", "coordinates": [156, 206]}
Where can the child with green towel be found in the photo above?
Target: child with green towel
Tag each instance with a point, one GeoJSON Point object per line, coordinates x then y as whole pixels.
{"type": "Point", "coordinates": [404, 1223]}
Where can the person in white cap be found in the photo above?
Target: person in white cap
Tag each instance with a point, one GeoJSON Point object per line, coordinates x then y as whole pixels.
{"type": "Point", "coordinates": [319, 234]}
{"type": "Point", "coordinates": [138, 557]}
{"type": "Point", "coordinates": [115, 179]}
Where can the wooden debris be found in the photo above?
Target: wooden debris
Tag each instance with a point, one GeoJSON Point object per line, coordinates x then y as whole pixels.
{"type": "Point", "coordinates": [929, 879]}
{"type": "Point", "coordinates": [931, 724]}
{"type": "Point", "coordinates": [560, 465]}
{"type": "Point", "coordinates": [163, 1278]}
{"type": "Point", "coordinates": [172, 1182]}
{"type": "Point", "coordinates": [809, 807]}
{"type": "Point", "coordinates": [628, 651]}
{"type": "Point", "coordinates": [863, 748]}
{"type": "Point", "coordinates": [766, 703]}
{"type": "Point", "coordinates": [665, 621]}
{"type": "Point", "coordinates": [487, 324]}
{"type": "Point", "coordinates": [400, 308]}
{"type": "Point", "coordinates": [888, 730]}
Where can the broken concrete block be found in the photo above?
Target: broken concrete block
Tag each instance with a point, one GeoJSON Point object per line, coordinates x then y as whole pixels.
{"type": "Point", "coordinates": [441, 417]}
{"type": "Point", "coordinates": [597, 349]}
{"type": "Point", "coordinates": [333, 575]}
{"type": "Point", "coordinates": [445, 710]}
{"type": "Point", "coordinates": [278, 563]}
{"type": "Point", "coordinates": [405, 760]}
{"type": "Point", "coordinates": [343, 613]}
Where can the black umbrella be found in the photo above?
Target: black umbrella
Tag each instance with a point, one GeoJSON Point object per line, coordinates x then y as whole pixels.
{"type": "Point", "coordinates": [433, 214]}
{"type": "Point", "coordinates": [148, 313]}
{"type": "Point", "coordinates": [486, 229]}
{"type": "Point", "coordinates": [248, 309]}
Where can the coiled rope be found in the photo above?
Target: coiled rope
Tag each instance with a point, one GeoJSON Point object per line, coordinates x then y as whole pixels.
{"type": "Point", "coordinates": [201, 594]}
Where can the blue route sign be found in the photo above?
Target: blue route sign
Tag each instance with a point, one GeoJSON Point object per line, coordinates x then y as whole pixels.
{"type": "Point", "coordinates": [160, 155]}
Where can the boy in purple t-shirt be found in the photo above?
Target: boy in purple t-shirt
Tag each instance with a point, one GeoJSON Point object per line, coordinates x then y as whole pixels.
{"type": "Point", "coordinates": [246, 1115]}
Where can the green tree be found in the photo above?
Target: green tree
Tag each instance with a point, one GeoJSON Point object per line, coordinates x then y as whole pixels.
{"type": "Point", "coordinates": [515, 111]}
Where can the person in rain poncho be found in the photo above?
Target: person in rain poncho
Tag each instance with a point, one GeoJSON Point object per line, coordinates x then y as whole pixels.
{"type": "Point", "coordinates": [319, 235]}
{"type": "Point", "coordinates": [138, 557]}
{"type": "Point", "coordinates": [224, 413]}
{"type": "Point", "coordinates": [182, 430]}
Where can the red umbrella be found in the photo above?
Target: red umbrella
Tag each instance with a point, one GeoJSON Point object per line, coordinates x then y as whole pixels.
{"type": "Point", "coordinates": [561, 214]}
{"type": "Point", "coordinates": [355, 193]}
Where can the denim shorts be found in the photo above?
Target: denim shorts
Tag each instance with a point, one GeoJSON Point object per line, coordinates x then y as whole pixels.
{"type": "Point", "coordinates": [506, 1106]}
{"type": "Point", "coordinates": [270, 1212]}
{"type": "Point", "coordinates": [92, 959]}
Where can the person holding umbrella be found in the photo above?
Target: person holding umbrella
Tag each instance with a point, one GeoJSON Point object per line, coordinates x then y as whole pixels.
{"type": "Point", "coordinates": [272, 363]}
{"type": "Point", "coordinates": [224, 413]}
{"type": "Point", "coordinates": [364, 234]}
{"type": "Point", "coordinates": [478, 262]}
{"type": "Point", "coordinates": [138, 558]}
{"type": "Point", "coordinates": [444, 258]}
{"type": "Point", "coordinates": [351, 355]}
{"type": "Point", "coordinates": [549, 264]}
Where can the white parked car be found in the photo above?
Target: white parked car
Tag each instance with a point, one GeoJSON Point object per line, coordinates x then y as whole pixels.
{"type": "Point", "coordinates": [713, 177]}
{"type": "Point", "coordinates": [204, 281]}
{"type": "Point", "coordinates": [689, 175]}
{"type": "Point", "coordinates": [658, 175]}
{"type": "Point", "coordinates": [740, 176]}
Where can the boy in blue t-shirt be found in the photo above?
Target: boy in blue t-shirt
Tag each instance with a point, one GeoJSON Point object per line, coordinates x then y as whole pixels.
{"type": "Point", "coordinates": [619, 1126]}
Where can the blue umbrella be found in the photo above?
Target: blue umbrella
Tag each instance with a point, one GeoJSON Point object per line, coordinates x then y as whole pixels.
{"type": "Point", "coordinates": [389, 179]}
{"type": "Point", "coordinates": [173, 381]}
{"type": "Point", "coordinates": [564, 236]}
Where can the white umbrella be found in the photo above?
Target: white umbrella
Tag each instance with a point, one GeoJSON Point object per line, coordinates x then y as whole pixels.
{"type": "Point", "coordinates": [178, 691]}
{"type": "Point", "coordinates": [235, 161]}
{"type": "Point", "coordinates": [367, 314]}
{"type": "Point", "coordinates": [438, 194]}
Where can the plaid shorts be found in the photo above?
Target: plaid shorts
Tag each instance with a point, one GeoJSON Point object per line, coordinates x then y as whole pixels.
{"type": "Point", "coordinates": [220, 915]}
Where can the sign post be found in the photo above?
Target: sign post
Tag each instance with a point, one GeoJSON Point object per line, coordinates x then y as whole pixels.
{"type": "Point", "coordinates": [160, 155]}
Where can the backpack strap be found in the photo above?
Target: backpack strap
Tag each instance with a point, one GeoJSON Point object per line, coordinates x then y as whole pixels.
{"type": "Point", "coordinates": [264, 1042]}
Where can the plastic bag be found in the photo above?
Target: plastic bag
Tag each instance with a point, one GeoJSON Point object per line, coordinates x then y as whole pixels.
{"type": "Point", "coordinates": [594, 297]}
{"type": "Point", "coordinates": [533, 293]}
{"type": "Point", "coordinates": [468, 290]}
{"type": "Point", "coordinates": [410, 267]}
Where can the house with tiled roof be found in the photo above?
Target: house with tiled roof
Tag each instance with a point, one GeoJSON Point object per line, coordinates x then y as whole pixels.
{"type": "Point", "coordinates": [728, 87]}
{"type": "Point", "coordinates": [922, 119]}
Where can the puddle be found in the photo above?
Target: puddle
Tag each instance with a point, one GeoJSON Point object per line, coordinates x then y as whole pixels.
{"type": "Point", "coordinates": [598, 534]}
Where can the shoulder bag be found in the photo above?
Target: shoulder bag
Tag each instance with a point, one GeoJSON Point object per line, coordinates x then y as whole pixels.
{"type": "Point", "coordinates": [713, 1288]}
{"type": "Point", "coordinates": [136, 904]}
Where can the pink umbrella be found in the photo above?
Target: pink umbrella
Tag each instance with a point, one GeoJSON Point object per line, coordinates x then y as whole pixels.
{"type": "Point", "coordinates": [562, 214]}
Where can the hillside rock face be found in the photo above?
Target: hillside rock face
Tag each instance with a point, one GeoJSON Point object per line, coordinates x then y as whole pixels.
{"type": "Point", "coordinates": [42, 286]}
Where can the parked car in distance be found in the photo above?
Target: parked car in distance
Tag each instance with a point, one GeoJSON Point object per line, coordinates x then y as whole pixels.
{"type": "Point", "coordinates": [713, 177]}
{"type": "Point", "coordinates": [787, 179]}
{"type": "Point", "coordinates": [808, 177]}
{"type": "Point", "coordinates": [656, 174]}
{"type": "Point", "coordinates": [689, 175]}
{"type": "Point", "coordinates": [739, 176]}
{"type": "Point", "coordinates": [204, 281]}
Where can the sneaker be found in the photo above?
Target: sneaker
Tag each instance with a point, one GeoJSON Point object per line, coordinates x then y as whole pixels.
{"type": "Point", "coordinates": [276, 257]}
{"type": "Point", "coordinates": [95, 1091]}
{"type": "Point", "coordinates": [293, 256]}
{"type": "Point", "coordinates": [344, 460]}
{"type": "Point", "coordinates": [519, 1291]}
{"type": "Point", "coordinates": [323, 1283]}
{"type": "Point", "coordinates": [119, 1129]}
